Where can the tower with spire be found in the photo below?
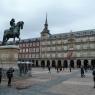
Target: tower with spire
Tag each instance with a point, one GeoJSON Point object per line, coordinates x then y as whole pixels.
{"type": "Point", "coordinates": [45, 33]}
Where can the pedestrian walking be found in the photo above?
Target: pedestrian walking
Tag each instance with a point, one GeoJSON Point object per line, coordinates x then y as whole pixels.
{"type": "Point", "coordinates": [60, 68]}
{"type": "Point", "coordinates": [49, 68]}
{"type": "Point", "coordinates": [0, 75]}
{"type": "Point", "coordinates": [82, 72]}
{"type": "Point", "coordinates": [9, 75]}
{"type": "Point", "coordinates": [57, 68]}
{"type": "Point", "coordinates": [93, 73]}
{"type": "Point", "coordinates": [70, 67]}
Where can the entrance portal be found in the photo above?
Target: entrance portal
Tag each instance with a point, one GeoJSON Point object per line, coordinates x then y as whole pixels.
{"type": "Point", "coordinates": [48, 63]}
{"type": "Point", "coordinates": [93, 63]}
{"type": "Point", "coordinates": [59, 63]}
{"type": "Point", "coordinates": [53, 63]}
{"type": "Point", "coordinates": [85, 63]}
{"type": "Point", "coordinates": [43, 63]}
{"type": "Point", "coordinates": [78, 63]}
{"type": "Point", "coordinates": [65, 64]}
{"type": "Point", "coordinates": [72, 63]}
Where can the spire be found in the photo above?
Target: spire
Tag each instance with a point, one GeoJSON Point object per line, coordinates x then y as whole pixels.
{"type": "Point", "coordinates": [46, 19]}
{"type": "Point", "coordinates": [46, 23]}
{"type": "Point", "coordinates": [45, 30]}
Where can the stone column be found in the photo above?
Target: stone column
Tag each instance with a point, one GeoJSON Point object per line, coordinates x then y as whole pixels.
{"type": "Point", "coordinates": [45, 63]}
{"type": "Point", "coordinates": [89, 61]}
{"type": "Point", "coordinates": [61, 62]}
{"type": "Point", "coordinates": [39, 63]}
{"type": "Point", "coordinates": [51, 63]}
{"type": "Point", "coordinates": [75, 63]}
{"type": "Point", "coordinates": [68, 62]}
{"type": "Point", "coordinates": [82, 62]}
{"type": "Point", "coordinates": [34, 62]}
{"type": "Point", "coordinates": [56, 62]}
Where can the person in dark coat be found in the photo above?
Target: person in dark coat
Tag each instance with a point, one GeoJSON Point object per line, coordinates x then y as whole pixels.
{"type": "Point", "coordinates": [82, 72]}
{"type": "Point", "coordinates": [57, 68]}
{"type": "Point", "coordinates": [93, 73]}
{"type": "Point", "coordinates": [49, 68]}
{"type": "Point", "coordinates": [10, 75]}
{"type": "Point", "coordinates": [0, 75]}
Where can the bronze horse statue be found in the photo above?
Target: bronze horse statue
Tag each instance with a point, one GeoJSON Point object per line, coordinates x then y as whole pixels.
{"type": "Point", "coordinates": [12, 34]}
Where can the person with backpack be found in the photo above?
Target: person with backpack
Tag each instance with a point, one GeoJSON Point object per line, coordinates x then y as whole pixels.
{"type": "Point", "coordinates": [9, 75]}
{"type": "Point", "coordinates": [82, 72]}
{"type": "Point", "coordinates": [49, 68]}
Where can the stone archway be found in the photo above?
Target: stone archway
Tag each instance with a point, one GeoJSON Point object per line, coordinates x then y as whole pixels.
{"type": "Point", "coordinates": [65, 64]}
{"type": "Point", "coordinates": [93, 63]}
{"type": "Point", "coordinates": [78, 63]}
{"type": "Point", "coordinates": [85, 63]}
{"type": "Point", "coordinates": [72, 63]}
{"type": "Point", "coordinates": [48, 63]}
{"type": "Point", "coordinates": [59, 63]}
{"type": "Point", "coordinates": [43, 63]}
{"type": "Point", "coordinates": [33, 63]}
{"type": "Point", "coordinates": [53, 63]}
{"type": "Point", "coordinates": [37, 63]}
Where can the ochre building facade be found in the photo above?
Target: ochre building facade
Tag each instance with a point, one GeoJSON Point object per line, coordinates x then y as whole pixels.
{"type": "Point", "coordinates": [73, 48]}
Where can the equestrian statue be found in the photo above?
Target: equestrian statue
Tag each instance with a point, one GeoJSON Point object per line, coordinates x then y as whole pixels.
{"type": "Point", "coordinates": [13, 31]}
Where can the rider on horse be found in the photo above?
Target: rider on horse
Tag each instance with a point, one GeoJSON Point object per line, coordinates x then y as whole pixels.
{"type": "Point", "coordinates": [12, 24]}
{"type": "Point", "coordinates": [13, 31]}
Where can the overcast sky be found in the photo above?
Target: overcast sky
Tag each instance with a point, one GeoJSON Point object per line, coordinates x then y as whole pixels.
{"type": "Point", "coordinates": [63, 15]}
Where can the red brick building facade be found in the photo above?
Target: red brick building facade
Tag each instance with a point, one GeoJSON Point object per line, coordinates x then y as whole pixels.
{"type": "Point", "coordinates": [29, 50]}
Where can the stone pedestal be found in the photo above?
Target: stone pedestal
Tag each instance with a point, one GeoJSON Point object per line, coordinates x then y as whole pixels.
{"type": "Point", "coordinates": [9, 56]}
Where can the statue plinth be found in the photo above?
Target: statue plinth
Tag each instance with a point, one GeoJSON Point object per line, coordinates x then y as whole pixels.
{"type": "Point", "coordinates": [9, 56]}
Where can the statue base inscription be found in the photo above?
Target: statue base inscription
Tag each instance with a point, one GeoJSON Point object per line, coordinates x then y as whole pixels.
{"type": "Point", "coordinates": [9, 56]}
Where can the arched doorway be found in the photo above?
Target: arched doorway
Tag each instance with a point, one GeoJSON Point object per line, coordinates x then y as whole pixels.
{"type": "Point", "coordinates": [85, 63]}
{"type": "Point", "coordinates": [53, 63]}
{"type": "Point", "coordinates": [33, 63]}
{"type": "Point", "coordinates": [59, 63]}
{"type": "Point", "coordinates": [72, 63]}
{"type": "Point", "coordinates": [78, 63]}
{"type": "Point", "coordinates": [93, 63]}
{"type": "Point", "coordinates": [36, 63]}
{"type": "Point", "coordinates": [43, 63]}
{"type": "Point", "coordinates": [48, 63]}
{"type": "Point", "coordinates": [65, 64]}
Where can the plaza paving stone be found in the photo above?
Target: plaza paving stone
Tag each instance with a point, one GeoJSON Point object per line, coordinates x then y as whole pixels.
{"type": "Point", "coordinates": [44, 83]}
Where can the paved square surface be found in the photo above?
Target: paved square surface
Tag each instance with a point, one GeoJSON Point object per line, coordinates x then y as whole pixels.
{"type": "Point", "coordinates": [44, 83]}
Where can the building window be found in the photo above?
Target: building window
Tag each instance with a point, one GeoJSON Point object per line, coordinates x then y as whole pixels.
{"type": "Point", "coordinates": [92, 46]}
{"type": "Point", "coordinates": [78, 47]}
{"type": "Point", "coordinates": [33, 55]}
{"type": "Point", "coordinates": [26, 49]}
{"type": "Point", "coordinates": [37, 49]}
{"type": "Point", "coordinates": [37, 43]}
{"type": "Point", "coordinates": [59, 48]}
{"type": "Point", "coordinates": [29, 55]}
{"type": "Point", "coordinates": [23, 50]}
{"type": "Point", "coordinates": [65, 48]}
{"type": "Point", "coordinates": [30, 44]}
{"type": "Point", "coordinates": [22, 55]}
{"type": "Point", "coordinates": [23, 44]}
{"type": "Point", "coordinates": [53, 42]}
{"type": "Point", "coordinates": [34, 43]}
{"type": "Point", "coordinates": [33, 49]}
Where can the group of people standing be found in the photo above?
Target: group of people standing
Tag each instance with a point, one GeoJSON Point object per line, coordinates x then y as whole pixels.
{"type": "Point", "coordinates": [9, 74]}
{"type": "Point", "coordinates": [59, 68]}
{"type": "Point", "coordinates": [24, 68]}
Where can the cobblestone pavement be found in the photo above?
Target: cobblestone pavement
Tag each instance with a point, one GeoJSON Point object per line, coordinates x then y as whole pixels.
{"type": "Point", "coordinates": [44, 83]}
